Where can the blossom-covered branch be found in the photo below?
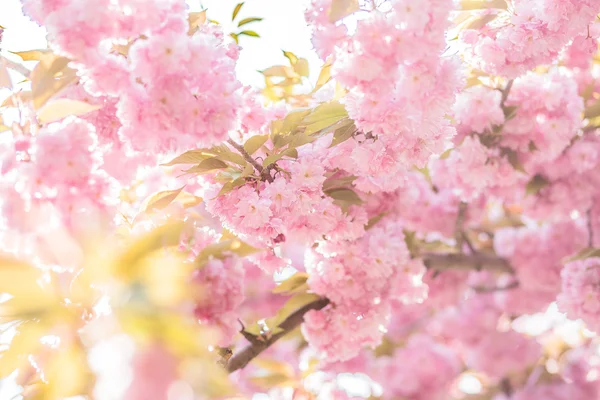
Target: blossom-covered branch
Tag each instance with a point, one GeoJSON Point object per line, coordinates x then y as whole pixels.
{"type": "Point", "coordinates": [243, 357]}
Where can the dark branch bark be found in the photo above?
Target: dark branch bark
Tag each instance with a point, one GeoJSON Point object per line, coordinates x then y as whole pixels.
{"type": "Point", "coordinates": [438, 262]}
{"type": "Point", "coordinates": [479, 261]}
{"type": "Point", "coordinates": [484, 289]}
{"type": "Point", "coordinates": [506, 92]}
{"type": "Point", "coordinates": [241, 359]}
{"type": "Point", "coordinates": [245, 154]}
{"type": "Point", "coordinates": [265, 173]}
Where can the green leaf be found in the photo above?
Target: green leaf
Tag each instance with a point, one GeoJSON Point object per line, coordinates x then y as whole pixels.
{"type": "Point", "coordinates": [248, 33]}
{"type": "Point", "coordinates": [229, 186]}
{"type": "Point", "coordinates": [324, 75]}
{"type": "Point", "coordinates": [294, 284]}
{"type": "Point", "coordinates": [162, 199]}
{"type": "Point", "coordinates": [280, 71]}
{"type": "Point", "coordinates": [537, 183]}
{"type": "Point", "coordinates": [162, 237]}
{"type": "Point", "coordinates": [290, 56]}
{"type": "Point", "coordinates": [343, 133]}
{"type": "Point", "coordinates": [513, 158]}
{"type": "Point", "coordinates": [327, 110]}
{"type": "Point", "coordinates": [300, 139]}
{"type": "Point", "coordinates": [588, 252]}
{"type": "Point", "coordinates": [278, 156]}
{"type": "Point", "coordinates": [235, 37]}
{"type": "Point", "coordinates": [254, 143]}
{"type": "Point", "coordinates": [322, 125]}
{"type": "Point", "coordinates": [301, 67]}
{"type": "Point", "coordinates": [445, 154]}
{"type": "Point", "coordinates": [225, 248]}
{"type": "Point", "coordinates": [249, 20]}
{"type": "Point", "coordinates": [345, 196]}
{"type": "Point", "coordinates": [236, 10]}
{"type": "Point", "coordinates": [374, 220]}
{"type": "Point", "coordinates": [190, 157]}
{"type": "Point", "coordinates": [336, 183]}
{"type": "Point", "coordinates": [210, 164]}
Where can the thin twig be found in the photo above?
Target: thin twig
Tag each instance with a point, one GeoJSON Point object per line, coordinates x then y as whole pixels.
{"type": "Point", "coordinates": [241, 359]}
{"type": "Point", "coordinates": [506, 92]}
{"type": "Point", "coordinates": [478, 261]}
{"type": "Point", "coordinates": [458, 229]}
{"type": "Point", "coordinates": [483, 289]}
{"type": "Point", "coordinates": [245, 154]}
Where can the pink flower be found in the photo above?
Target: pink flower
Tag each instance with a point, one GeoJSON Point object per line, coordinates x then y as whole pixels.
{"type": "Point", "coordinates": [429, 374]}
{"type": "Point", "coordinates": [499, 354]}
{"type": "Point", "coordinates": [580, 296]}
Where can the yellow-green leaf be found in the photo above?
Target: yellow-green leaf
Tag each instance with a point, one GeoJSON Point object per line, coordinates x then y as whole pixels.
{"type": "Point", "coordinates": [374, 220]}
{"type": "Point", "coordinates": [162, 199]}
{"type": "Point", "coordinates": [208, 165]}
{"type": "Point", "coordinates": [248, 33]}
{"type": "Point", "coordinates": [588, 252]}
{"type": "Point", "coordinates": [324, 75]}
{"type": "Point", "coordinates": [162, 237]}
{"type": "Point", "coordinates": [324, 111]}
{"type": "Point", "coordinates": [301, 67]}
{"type": "Point", "coordinates": [342, 8]}
{"type": "Point", "coordinates": [537, 183]}
{"type": "Point", "coordinates": [68, 373]}
{"type": "Point", "coordinates": [294, 284]}
{"type": "Point", "coordinates": [236, 10]}
{"type": "Point", "coordinates": [480, 21]}
{"type": "Point", "coordinates": [347, 196]}
{"type": "Point", "coordinates": [195, 19]}
{"type": "Point", "coordinates": [322, 125]}
{"type": "Point", "coordinates": [61, 108]}
{"type": "Point", "coordinates": [45, 78]}
{"type": "Point", "coordinates": [254, 143]}
{"type": "Point", "coordinates": [290, 56]}
{"type": "Point", "coordinates": [19, 278]}
{"type": "Point", "coordinates": [249, 20]}
{"type": "Point", "coordinates": [32, 55]}
{"type": "Point", "coordinates": [343, 133]}
{"type": "Point", "coordinates": [190, 157]}
{"type": "Point", "coordinates": [294, 304]}
{"type": "Point", "coordinates": [280, 70]}
{"type": "Point", "coordinates": [229, 186]}
{"type": "Point", "coordinates": [26, 341]}
{"type": "Point", "coordinates": [278, 156]}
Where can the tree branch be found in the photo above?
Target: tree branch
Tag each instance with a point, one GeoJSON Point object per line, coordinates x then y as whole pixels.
{"type": "Point", "coordinates": [245, 154]}
{"type": "Point", "coordinates": [247, 354]}
{"type": "Point", "coordinates": [264, 173]}
{"type": "Point", "coordinates": [436, 261]}
{"type": "Point", "coordinates": [479, 261]}
{"type": "Point", "coordinates": [506, 91]}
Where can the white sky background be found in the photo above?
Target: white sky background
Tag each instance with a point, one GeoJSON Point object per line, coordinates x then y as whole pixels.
{"type": "Point", "coordinates": [283, 28]}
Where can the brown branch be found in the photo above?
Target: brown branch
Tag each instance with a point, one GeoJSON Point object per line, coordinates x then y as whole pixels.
{"type": "Point", "coordinates": [484, 289]}
{"type": "Point", "coordinates": [245, 154]}
{"type": "Point", "coordinates": [265, 173]}
{"type": "Point", "coordinates": [505, 92]}
{"type": "Point", "coordinates": [479, 261]}
{"type": "Point", "coordinates": [247, 354]}
{"type": "Point", "coordinates": [458, 229]}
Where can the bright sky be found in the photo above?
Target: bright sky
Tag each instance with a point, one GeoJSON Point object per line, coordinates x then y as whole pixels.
{"type": "Point", "coordinates": [283, 28]}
